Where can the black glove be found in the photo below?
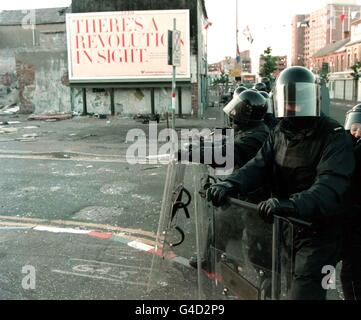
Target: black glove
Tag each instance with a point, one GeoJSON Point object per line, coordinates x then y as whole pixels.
{"type": "Point", "coordinates": [271, 207]}
{"type": "Point", "coordinates": [218, 193]}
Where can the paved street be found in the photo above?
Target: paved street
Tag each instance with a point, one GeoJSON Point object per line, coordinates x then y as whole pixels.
{"type": "Point", "coordinates": [86, 220]}
{"type": "Point", "coordinates": [338, 110]}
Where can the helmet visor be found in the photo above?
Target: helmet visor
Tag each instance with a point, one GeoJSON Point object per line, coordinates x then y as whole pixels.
{"type": "Point", "coordinates": [352, 118]}
{"type": "Point", "coordinates": [297, 100]}
{"type": "Point", "coordinates": [230, 107]}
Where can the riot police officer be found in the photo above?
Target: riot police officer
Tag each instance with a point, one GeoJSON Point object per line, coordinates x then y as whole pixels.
{"type": "Point", "coordinates": [269, 118]}
{"type": "Point", "coordinates": [308, 162]}
{"type": "Point", "coordinates": [247, 110]}
{"type": "Point", "coordinates": [351, 255]}
{"type": "Point", "coordinates": [267, 82]}
{"type": "Point", "coordinates": [260, 86]}
{"type": "Point", "coordinates": [239, 90]}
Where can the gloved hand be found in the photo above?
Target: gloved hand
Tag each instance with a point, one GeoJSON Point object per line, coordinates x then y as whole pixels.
{"type": "Point", "coordinates": [273, 206]}
{"type": "Point", "coordinates": [218, 193]}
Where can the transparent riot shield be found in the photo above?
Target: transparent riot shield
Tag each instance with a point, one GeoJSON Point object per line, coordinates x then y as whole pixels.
{"type": "Point", "coordinates": [177, 238]}
{"type": "Point", "coordinates": [282, 258]}
{"type": "Point", "coordinates": [246, 258]}
{"type": "Point", "coordinates": [204, 224]}
{"type": "Point", "coordinates": [239, 254]}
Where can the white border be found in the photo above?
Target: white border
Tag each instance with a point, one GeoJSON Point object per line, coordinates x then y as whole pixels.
{"type": "Point", "coordinates": [124, 79]}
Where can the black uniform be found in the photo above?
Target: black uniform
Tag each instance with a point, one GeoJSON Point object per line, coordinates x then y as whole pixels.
{"type": "Point", "coordinates": [247, 143]}
{"type": "Point", "coordinates": [250, 134]}
{"type": "Point", "coordinates": [351, 255]}
{"type": "Point", "coordinates": [270, 120]}
{"type": "Point", "coordinates": [313, 168]}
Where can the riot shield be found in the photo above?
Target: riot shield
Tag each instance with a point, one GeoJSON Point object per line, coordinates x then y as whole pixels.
{"type": "Point", "coordinates": [203, 213]}
{"type": "Point", "coordinates": [246, 258]}
{"type": "Point", "coordinates": [177, 238]}
{"type": "Point", "coordinates": [239, 255]}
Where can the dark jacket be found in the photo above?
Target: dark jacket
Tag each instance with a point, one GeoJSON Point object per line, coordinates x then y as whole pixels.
{"type": "Point", "coordinates": [270, 120]}
{"type": "Point", "coordinates": [247, 142]}
{"type": "Point", "coordinates": [353, 196]}
{"type": "Point", "coordinates": [312, 167]}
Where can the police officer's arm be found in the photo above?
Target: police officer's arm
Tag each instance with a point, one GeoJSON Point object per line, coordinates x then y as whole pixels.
{"type": "Point", "coordinates": [246, 148]}
{"type": "Point", "coordinates": [254, 173]}
{"type": "Point", "coordinates": [334, 173]}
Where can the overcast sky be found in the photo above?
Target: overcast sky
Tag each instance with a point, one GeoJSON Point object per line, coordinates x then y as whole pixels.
{"type": "Point", "coordinates": [268, 20]}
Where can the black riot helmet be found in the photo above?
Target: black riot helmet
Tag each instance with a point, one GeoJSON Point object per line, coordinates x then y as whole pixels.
{"type": "Point", "coordinates": [264, 94]}
{"type": "Point", "coordinates": [296, 94]}
{"type": "Point", "coordinates": [267, 82]}
{"type": "Point", "coordinates": [353, 116]}
{"type": "Point", "coordinates": [260, 86]}
{"type": "Point", "coordinates": [247, 108]}
{"type": "Point", "coordinates": [269, 102]}
{"type": "Point", "coordinates": [239, 90]}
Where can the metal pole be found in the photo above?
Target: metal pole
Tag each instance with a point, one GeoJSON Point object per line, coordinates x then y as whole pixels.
{"type": "Point", "coordinates": [112, 104]}
{"type": "Point", "coordinates": [237, 31]}
{"type": "Point", "coordinates": [152, 101]}
{"type": "Point", "coordinates": [254, 207]}
{"type": "Point", "coordinates": [180, 111]}
{"type": "Point", "coordinates": [85, 109]}
{"type": "Point", "coordinates": [199, 62]}
{"type": "Point", "coordinates": [174, 94]}
{"type": "Point", "coordinates": [276, 259]}
{"type": "Point", "coordinates": [343, 23]}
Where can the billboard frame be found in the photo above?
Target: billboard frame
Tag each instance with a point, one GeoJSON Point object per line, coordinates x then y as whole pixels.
{"type": "Point", "coordinates": [128, 79]}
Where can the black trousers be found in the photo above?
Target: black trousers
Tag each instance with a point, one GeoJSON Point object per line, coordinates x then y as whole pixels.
{"type": "Point", "coordinates": [312, 250]}
{"type": "Point", "coordinates": [351, 261]}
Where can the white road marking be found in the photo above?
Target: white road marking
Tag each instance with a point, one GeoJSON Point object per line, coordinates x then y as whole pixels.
{"type": "Point", "coordinates": [61, 230]}
{"type": "Point", "coordinates": [140, 246]}
{"type": "Point", "coordinates": [100, 278]}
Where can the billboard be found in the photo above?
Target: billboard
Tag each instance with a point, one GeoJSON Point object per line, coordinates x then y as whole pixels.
{"type": "Point", "coordinates": [125, 46]}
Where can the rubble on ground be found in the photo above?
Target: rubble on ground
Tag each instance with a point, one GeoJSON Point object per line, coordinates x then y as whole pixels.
{"type": "Point", "coordinates": [10, 109]}
{"type": "Point", "coordinates": [51, 117]}
{"type": "Point", "coordinates": [146, 118]}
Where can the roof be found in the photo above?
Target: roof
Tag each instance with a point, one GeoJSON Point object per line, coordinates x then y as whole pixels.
{"type": "Point", "coordinates": [351, 43]}
{"type": "Point", "coordinates": [331, 48]}
{"type": "Point", "coordinates": [42, 16]}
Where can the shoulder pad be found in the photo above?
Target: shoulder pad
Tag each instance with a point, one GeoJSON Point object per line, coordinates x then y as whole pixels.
{"type": "Point", "coordinates": [330, 125]}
